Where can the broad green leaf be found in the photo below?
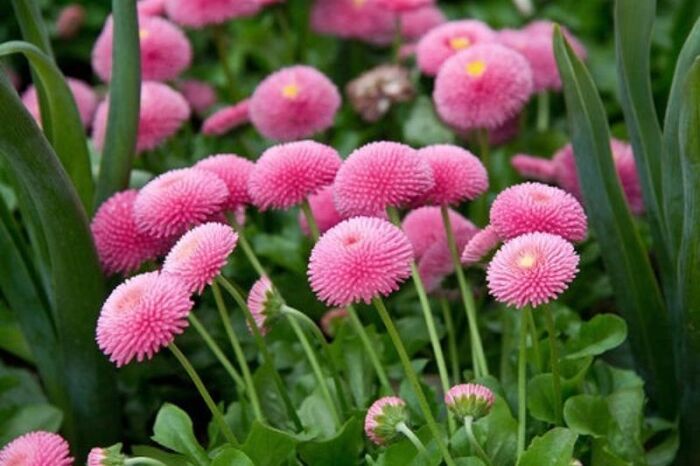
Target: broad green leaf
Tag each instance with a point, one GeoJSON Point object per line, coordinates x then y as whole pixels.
{"type": "Point", "coordinates": [11, 337]}
{"type": "Point", "coordinates": [231, 457]}
{"type": "Point", "coordinates": [626, 408]}
{"type": "Point", "coordinates": [555, 448]}
{"type": "Point", "coordinates": [124, 103]}
{"type": "Point", "coordinates": [540, 398]}
{"type": "Point", "coordinates": [587, 415]}
{"type": "Point", "coordinates": [267, 446]}
{"type": "Point", "coordinates": [665, 452]}
{"type": "Point", "coordinates": [497, 433]}
{"type": "Point", "coordinates": [423, 127]}
{"type": "Point", "coordinates": [341, 450]}
{"type": "Point", "coordinates": [600, 334]}
{"type": "Point", "coordinates": [602, 456]}
{"type": "Point", "coordinates": [30, 418]}
{"type": "Point", "coordinates": [173, 430]}
{"type": "Point", "coordinates": [470, 461]}
{"type": "Point", "coordinates": [171, 459]}
{"type": "Point", "coordinates": [315, 416]}
{"type": "Point", "coordinates": [637, 292]}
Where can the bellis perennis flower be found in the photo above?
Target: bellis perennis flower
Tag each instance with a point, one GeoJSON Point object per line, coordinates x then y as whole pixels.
{"type": "Point", "coordinates": [36, 449]}
{"type": "Point", "coordinates": [383, 417]}
{"type": "Point", "coordinates": [469, 399]}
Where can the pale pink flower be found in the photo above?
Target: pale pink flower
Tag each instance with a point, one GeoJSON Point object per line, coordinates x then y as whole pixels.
{"type": "Point", "coordinates": [70, 19]}
{"type": "Point", "coordinates": [480, 245]}
{"type": "Point", "coordinates": [36, 449]}
{"type": "Point", "coordinates": [437, 262]}
{"type": "Point", "coordinates": [424, 227]}
{"type": "Point", "coordinates": [85, 99]}
{"type": "Point", "coordinates": [469, 400]}
{"type": "Point", "coordinates": [201, 13]}
{"type": "Point", "coordinates": [363, 20]}
{"type": "Point", "coordinates": [416, 23]}
{"type": "Point", "coordinates": [234, 171]}
{"type": "Point", "coordinates": [383, 417]}
{"type": "Point", "coordinates": [199, 94]}
{"type": "Point", "coordinates": [323, 210]}
{"type": "Point", "coordinates": [459, 175]}
{"type": "Point", "coordinates": [402, 6]}
{"type": "Point", "coordinates": [226, 119]}
{"type": "Point", "coordinates": [264, 304]}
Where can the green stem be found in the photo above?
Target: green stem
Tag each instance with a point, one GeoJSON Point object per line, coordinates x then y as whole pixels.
{"type": "Point", "coordinates": [478, 357]}
{"type": "Point", "coordinates": [482, 136]}
{"type": "Point", "coordinates": [468, 427]}
{"type": "Point", "coordinates": [216, 349]}
{"type": "Point", "coordinates": [208, 400]}
{"type": "Point", "coordinates": [522, 379]}
{"type": "Point", "coordinates": [398, 38]}
{"type": "Point", "coordinates": [402, 428]}
{"type": "Point", "coordinates": [310, 220]}
{"type": "Point", "coordinates": [413, 379]}
{"type": "Point", "coordinates": [543, 111]}
{"type": "Point", "coordinates": [554, 359]}
{"type": "Point", "coordinates": [221, 43]}
{"type": "Point", "coordinates": [245, 245]}
{"type": "Point", "coordinates": [238, 351]}
{"type": "Point", "coordinates": [451, 339]}
{"type": "Point", "coordinates": [143, 460]}
{"type": "Point", "coordinates": [535, 341]}
{"type": "Point", "coordinates": [505, 369]}
{"type": "Point", "coordinates": [371, 352]}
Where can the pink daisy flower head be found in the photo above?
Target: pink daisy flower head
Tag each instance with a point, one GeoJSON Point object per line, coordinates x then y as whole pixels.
{"type": "Point", "coordinates": [199, 94]}
{"type": "Point", "coordinates": [534, 168]}
{"type": "Point", "coordinates": [200, 13]}
{"type": "Point", "coordinates": [85, 99]}
{"type": "Point", "coordinates": [437, 263]}
{"type": "Point", "coordinates": [331, 320]}
{"type": "Point", "coordinates": [198, 257]}
{"type": "Point", "coordinates": [482, 87]}
{"type": "Point", "coordinates": [480, 245]}
{"type": "Point", "coordinates": [416, 23]}
{"type": "Point", "coordinates": [380, 175]}
{"type": "Point", "coordinates": [323, 210]}
{"type": "Point", "coordinates": [163, 112]}
{"type": "Point", "coordinates": [294, 103]}
{"type": "Point", "coordinates": [70, 20]}
{"type": "Point", "coordinates": [358, 260]}
{"type": "Point", "coordinates": [151, 7]}
{"type": "Point", "coordinates": [36, 449]}
{"type": "Point", "coordinates": [448, 39]}
{"type": "Point", "coordinates": [111, 456]}
{"type": "Point", "coordinates": [459, 175]}
{"type": "Point", "coordinates": [226, 119]}
{"type": "Point", "coordinates": [469, 400]}
{"type": "Point", "coordinates": [532, 269]}
{"type": "Point", "coordinates": [287, 174]}
{"type": "Point", "coordinates": [536, 207]}
{"type": "Point", "coordinates": [165, 50]}
{"type": "Point", "coordinates": [401, 6]}
{"type": "Point", "coordinates": [363, 20]}
{"type": "Point", "coordinates": [264, 304]}
{"type": "Point", "coordinates": [121, 247]}
{"type": "Point", "coordinates": [177, 200]}
{"type": "Point", "coordinates": [424, 227]}
{"type": "Point", "coordinates": [383, 417]}
{"type": "Point", "coordinates": [234, 171]}
{"type": "Point", "coordinates": [141, 316]}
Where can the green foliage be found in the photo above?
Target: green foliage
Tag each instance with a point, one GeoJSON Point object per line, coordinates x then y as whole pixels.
{"type": "Point", "coordinates": [173, 430]}
{"type": "Point", "coordinates": [555, 448]}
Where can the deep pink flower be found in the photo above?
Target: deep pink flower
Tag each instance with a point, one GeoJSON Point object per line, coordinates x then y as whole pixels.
{"type": "Point", "coordinates": [141, 316]}
{"type": "Point", "coordinates": [424, 227]}
{"type": "Point", "coordinates": [70, 20]}
{"type": "Point", "coordinates": [85, 99]}
{"type": "Point", "coordinates": [234, 171]}
{"type": "Point", "coordinates": [379, 175]}
{"type": "Point", "coordinates": [402, 6]}
{"type": "Point", "coordinates": [177, 200]}
{"type": "Point", "coordinates": [332, 319]}
{"type": "Point", "coordinates": [534, 168]}
{"type": "Point", "coordinates": [505, 133]}
{"type": "Point", "coordinates": [480, 245]}
{"type": "Point", "coordinates": [201, 13]}
{"type": "Point", "coordinates": [294, 103]}
{"type": "Point", "coordinates": [199, 94]}
{"type": "Point", "coordinates": [165, 50]}
{"type": "Point", "coordinates": [324, 211]}
{"type": "Point", "coordinates": [226, 119]}
{"type": "Point", "coordinates": [198, 257]}
{"type": "Point", "coordinates": [450, 38]}
{"type": "Point", "coordinates": [358, 260]}
{"type": "Point", "coordinates": [482, 87]}
{"type": "Point", "coordinates": [363, 20]}
{"type": "Point", "coordinates": [163, 112]}
{"type": "Point", "coordinates": [469, 399]}
{"type": "Point", "coordinates": [383, 417]}
{"type": "Point", "coordinates": [416, 23]}
{"type": "Point", "coordinates": [151, 7]}
{"type": "Point", "coordinates": [36, 449]}
{"type": "Point", "coordinates": [264, 304]}
{"type": "Point", "coordinates": [536, 207]}
{"type": "Point", "coordinates": [459, 175]}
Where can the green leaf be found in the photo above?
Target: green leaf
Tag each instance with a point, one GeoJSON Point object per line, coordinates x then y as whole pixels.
{"type": "Point", "coordinates": [470, 461]}
{"type": "Point", "coordinates": [540, 398]}
{"type": "Point", "coordinates": [600, 334]}
{"type": "Point", "coordinates": [341, 450]}
{"type": "Point", "coordinates": [626, 408]}
{"type": "Point", "coordinates": [315, 416]}
{"type": "Point", "coordinates": [423, 128]}
{"type": "Point", "coordinates": [232, 457]}
{"type": "Point", "coordinates": [637, 292]}
{"type": "Point", "coordinates": [497, 433]}
{"type": "Point", "coordinates": [171, 459]}
{"type": "Point", "coordinates": [11, 337]}
{"type": "Point", "coordinates": [267, 446]}
{"type": "Point", "coordinates": [555, 448]}
{"type": "Point", "coordinates": [173, 430]}
{"type": "Point", "coordinates": [124, 103]}
{"type": "Point", "coordinates": [587, 415]}
{"type": "Point", "coordinates": [30, 418]}
{"type": "Point", "coordinates": [403, 453]}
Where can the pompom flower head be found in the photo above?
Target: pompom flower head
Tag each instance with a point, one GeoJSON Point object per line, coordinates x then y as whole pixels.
{"type": "Point", "coordinates": [532, 269]}
{"type": "Point", "coordinates": [450, 38]}
{"type": "Point", "coordinates": [294, 103]}
{"type": "Point", "coordinates": [165, 50]}
{"type": "Point", "coordinates": [163, 111]}
{"type": "Point", "coordinates": [359, 259]}
{"type": "Point", "coordinates": [121, 247]}
{"type": "Point", "coordinates": [416, 23]}
{"type": "Point", "coordinates": [226, 119]}
{"type": "Point", "coordinates": [401, 6]}
{"type": "Point", "coordinates": [482, 87]}
{"type": "Point", "coordinates": [177, 200]}
{"type": "Point", "coordinates": [459, 175]}
{"type": "Point", "coordinates": [199, 94]}
{"type": "Point", "coordinates": [198, 257]}
{"type": "Point", "coordinates": [469, 400]}
{"type": "Point", "coordinates": [480, 245]}
{"type": "Point", "coordinates": [234, 171]}
{"type": "Point", "coordinates": [151, 7]}
{"type": "Point", "coordinates": [264, 304]}
{"type": "Point", "coordinates": [380, 175]}
{"type": "Point", "coordinates": [363, 20]}
{"type": "Point", "coordinates": [287, 173]}
{"type": "Point", "coordinates": [141, 316]}
{"type": "Point", "coordinates": [111, 456]}
{"type": "Point", "coordinates": [36, 449]}
{"type": "Point", "coordinates": [85, 99]}
{"type": "Point", "coordinates": [323, 210]}
{"type": "Point", "coordinates": [383, 417]}
{"type": "Point", "coordinates": [201, 13]}
{"type": "Point", "coordinates": [424, 227]}
{"type": "Point", "coordinates": [536, 207]}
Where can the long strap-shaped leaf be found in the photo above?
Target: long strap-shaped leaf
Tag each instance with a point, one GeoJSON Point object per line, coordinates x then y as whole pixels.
{"type": "Point", "coordinates": [67, 132]}
{"type": "Point", "coordinates": [626, 261]}
{"type": "Point", "coordinates": [92, 414]}
{"type": "Point", "coordinates": [689, 268]}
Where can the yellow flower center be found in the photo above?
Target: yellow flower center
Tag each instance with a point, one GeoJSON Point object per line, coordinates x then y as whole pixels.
{"type": "Point", "coordinates": [144, 33]}
{"type": "Point", "coordinates": [290, 91]}
{"type": "Point", "coordinates": [527, 260]}
{"type": "Point", "coordinates": [476, 68]}
{"type": "Point", "coordinates": [460, 43]}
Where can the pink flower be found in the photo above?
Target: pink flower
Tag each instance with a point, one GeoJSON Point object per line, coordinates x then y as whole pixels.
{"type": "Point", "coordinates": [151, 7]}
{"type": "Point", "coordinates": [287, 173]}
{"type": "Point", "coordinates": [163, 112]}
{"type": "Point", "coordinates": [177, 200]}
{"type": "Point", "coordinates": [469, 399]}
{"type": "Point", "coordinates": [401, 6]}
{"type": "Point", "coordinates": [201, 13]}
{"type": "Point", "coordinates": [480, 245]}
{"type": "Point", "coordinates": [459, 175]}
{"type": "Point", "coordinates": [234, 171]}
{"type": "Point", "coordinates": [535, 168]}
{"type": "Point", "coordinates": [505, 133]}
{"type": "Point", "coordinates": [332, 319]}
{"type": "Point", "coordinates": [482, 87]}
{"type": "Point", "coordinates": [121, 247]}
{"type": "Point", "coordinates": [324, 211]}
{"type": "Point", "coordinates": [532, 269]}
{"type": "Point", "coordinates": [379, 175]}
{"type": "Point", "coordinates": [383, 417]}
{"type": "Point", "coordinates": [198, 257]}
{"type": "Point", "coordinates": [363, 20]}
{"type": "Point", "coordinates": [358, 260]}
{"type": "Point", "coordinates": [96, 457]}
{"type": "Point", "coordinates": [111, 456]}
{"type": "Point", "coordinates": [226, 119]}
{"type": "Point", "coordinates": [536, 207]}
{"type": "Point", "coordinates": [416, 23]}
{"type": "Point", "coordinates": [199, 94]}
{"type": "Point", "coordinates": [294, 103]}
{"type": "Point", "coordinates": [36, 449]}
{"type": "Point", "coordinates": [70, 20]}
{"type": "Point", "coordinates": [85, 99]}
{"type": "Point", "coordinates": [264, 304]}
{"type": "Point", "coordinates": [450, 38]}
{"type": "Point", "coordinates": [424, 227]}
{"type": "Point", "coordinates": [141, 316]}
{"type": "Point", "coordinates": [165, 50]}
